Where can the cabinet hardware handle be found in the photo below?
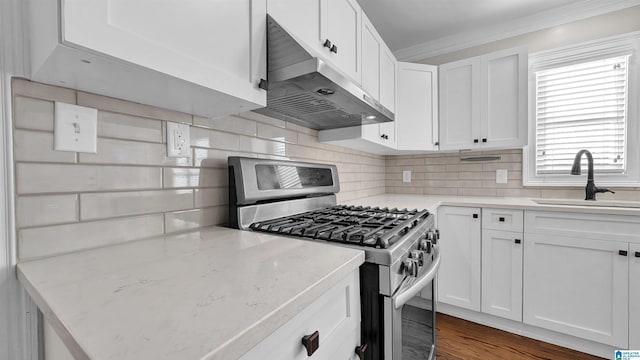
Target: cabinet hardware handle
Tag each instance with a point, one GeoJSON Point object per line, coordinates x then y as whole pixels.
{"type": "Point", "coordinates": [311, 342]}
{"type": "Point", "coordinates": [360, 351]}
{"type": "Point", "coordinates": [327, 44]}
{"type": "Point", "coordinates": [334, 49]}
{"type": "Point", "coordinates": [484, 140]}
{"type": "Point", "coordinates": [637, 254]}
{"type": "Point", "coordinates": [436, 143]}
{"type": "Point", "coordinates": [263, 84]}
{"type": "Point", "coordinates": [501, 219]}
{"type": "Point", "coordinates": [475, 216]}
{"type": "Point", "coordinates": [475, 141]}
{"type": "Point", "coordinates": [518, 241]}
{"type": "Point", "coordinates": [622, 252]}
{"type": "Point", "coordinates": [385, 136]}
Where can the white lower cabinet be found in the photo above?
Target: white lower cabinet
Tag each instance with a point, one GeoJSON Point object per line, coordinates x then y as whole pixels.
{"type": "Point", "coordinates": [502, 273]}
{"type": "Point", "coordinates": [502, 262]}
{"type": "Point", "coordinates": [634, 296]}
{"type": "Point", "coordinates": [335, 315]}
{"type": "Point", "coordinates": [577, 286]}
{"type": "Point", "coordinates": [459, 273]}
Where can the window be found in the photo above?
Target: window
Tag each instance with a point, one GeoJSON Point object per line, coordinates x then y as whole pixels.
{"type": "Point", "coordinates": [582, 106]}
{"type": "Point", "coordinates": [584, 97]}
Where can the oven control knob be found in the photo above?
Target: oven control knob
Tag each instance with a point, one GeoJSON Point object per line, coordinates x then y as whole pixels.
{"type": "Point", "coordinates": [418, 255]}
{"type": "Point", "coordinates": [433, 236]}
{"type": "Point", "coordinates": [410, 267]}
{"type": "Point", "coordinates": [425, 246]}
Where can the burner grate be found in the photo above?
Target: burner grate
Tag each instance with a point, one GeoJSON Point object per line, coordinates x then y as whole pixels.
{"type": "Point", "coordinates": [356, 225]}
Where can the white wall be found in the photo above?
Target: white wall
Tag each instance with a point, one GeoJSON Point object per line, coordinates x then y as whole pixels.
{"type": "Point", "coordinates": [17, 324]}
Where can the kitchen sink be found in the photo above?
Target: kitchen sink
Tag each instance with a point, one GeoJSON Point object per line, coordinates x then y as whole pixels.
{"type": "Point", "coordinates": [575, 202]}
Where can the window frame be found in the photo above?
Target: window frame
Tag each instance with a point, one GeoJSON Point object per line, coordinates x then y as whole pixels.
{"type": "Point", "coordinates": [587, 51]}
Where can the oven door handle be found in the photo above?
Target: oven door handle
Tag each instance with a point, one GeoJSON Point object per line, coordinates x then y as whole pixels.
{"type": "Point", "coordinates": [420, 283]}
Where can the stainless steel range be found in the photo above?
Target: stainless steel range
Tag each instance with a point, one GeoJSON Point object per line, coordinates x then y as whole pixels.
{"type": "Point", "coordinates": [401, 246]}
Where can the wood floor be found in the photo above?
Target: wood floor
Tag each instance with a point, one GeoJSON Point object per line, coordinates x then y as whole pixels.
{"type": "Point", "coordinates": [463, 340]}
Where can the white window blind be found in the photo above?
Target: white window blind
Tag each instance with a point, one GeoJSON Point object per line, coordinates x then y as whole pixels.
{"type": "Point", "coordinates": [582, 106]}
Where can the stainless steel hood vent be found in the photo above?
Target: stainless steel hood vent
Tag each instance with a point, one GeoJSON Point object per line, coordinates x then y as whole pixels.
{"type": "Point", "coordinates": [306, 91]}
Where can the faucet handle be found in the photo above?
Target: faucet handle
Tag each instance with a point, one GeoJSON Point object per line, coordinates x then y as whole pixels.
{"type": "Point", "coordinates": [604, 190]}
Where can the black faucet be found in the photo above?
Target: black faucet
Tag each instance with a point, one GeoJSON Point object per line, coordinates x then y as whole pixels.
{"type": "Point", "coordinates": [591, 190]}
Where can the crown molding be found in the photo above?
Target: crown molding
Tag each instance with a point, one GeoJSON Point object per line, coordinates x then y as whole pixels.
{"type": "Point", "coordinates": [542, 20]}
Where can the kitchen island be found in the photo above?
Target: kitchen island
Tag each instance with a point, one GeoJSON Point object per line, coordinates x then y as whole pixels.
{"type": "Point", "coordinates": [213, 293]}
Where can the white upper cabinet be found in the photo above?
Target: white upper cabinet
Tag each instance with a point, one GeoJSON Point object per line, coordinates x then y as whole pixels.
{"type": "Point", "coordinates": [205, 58]}
{"type": "Point", "coordinates": [503, 120]}
{"type": "Point", "coordinates": [340, 25]}
{"type": "Point", "coordinates": [417, 107]}
{"type": "Point", "coordinates": [371, 50]}
{"type": "Point", "coordinates": [387, 79]}
{"type": "Point", "coordinates": [483, 101]}
{"type": "Point", "coordinates": [330, 27]}
{"type": "Point", "coordinates": [460, 104]}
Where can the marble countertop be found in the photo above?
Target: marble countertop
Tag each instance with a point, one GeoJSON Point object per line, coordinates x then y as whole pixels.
{"type": "Point", "coordinates": [431, 202]}
{"type": "Point", "coordinates": [208, 294]}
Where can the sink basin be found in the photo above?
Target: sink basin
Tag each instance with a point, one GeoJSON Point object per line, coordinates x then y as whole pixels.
{"type": "Point", "coordinates": [575, 202]}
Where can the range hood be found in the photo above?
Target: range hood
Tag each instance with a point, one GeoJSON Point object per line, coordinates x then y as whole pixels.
{"type": "Point", "coordinates": [304, 90]}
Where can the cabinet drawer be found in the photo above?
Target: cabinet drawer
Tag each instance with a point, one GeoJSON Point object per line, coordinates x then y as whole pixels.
{"type": "Point", "coordinates": [590, 226]}
{"type": "Point", "coordinates": [335, 315]}
{"type": "Point", "coordinates": [502, 219]}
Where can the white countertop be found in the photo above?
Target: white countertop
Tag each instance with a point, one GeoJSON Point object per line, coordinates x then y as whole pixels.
{"type": "Point", "coordinates": [431, 202]}
{"type": "Point", "coordinates": [208, 294]}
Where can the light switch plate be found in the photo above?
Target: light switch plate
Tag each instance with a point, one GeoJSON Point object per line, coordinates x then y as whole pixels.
{"type": "Point", "coordinates": [178, 140]}
{"type": "Point", "coordinates": [406, 176]}
{"type": "Point", "coordinates": [502, 176]}
{"type": "Point", "coordinates": [75, 128]}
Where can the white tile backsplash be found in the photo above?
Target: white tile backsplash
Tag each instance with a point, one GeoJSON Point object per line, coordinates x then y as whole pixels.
{"type": "Point", "coordinates": [107, 205]}
{"type": "Point", "coordinates": [46, 210]}
{"type": "Point", "coordinates": [51, 240]}
{"type": "Point", "coordinates": [129, 189]}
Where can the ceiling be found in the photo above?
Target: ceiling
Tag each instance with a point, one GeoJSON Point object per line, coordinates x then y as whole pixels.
{"type": "Point", "coordinates": [417, 29]}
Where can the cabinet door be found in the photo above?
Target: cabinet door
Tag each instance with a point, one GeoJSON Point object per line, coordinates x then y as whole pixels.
{"type": "Point", "coordinates": [459, 273]}
{"type": "Point", "coordinates": [371, 50]}
{"type": "Point", "coordinates": [504, 112]}
{"type": "Point", "coordinates": [417, 110]}
{"type": "Point", "coordinates": [387, 79]}
{"type": "Point", "coordinates": [502, 273]}
{"type": "Point", "coordinates": [299, 17]}
{"type": "Point", "coordinates": [634, 297]}
{"type": "Point", "coordinates": [460, 104]}
{"type": "Point", "coordinates": [340, 24]}
{"type": "Point", "coordinates": [577, 286]}
{"type": "Point", "coordinates": [215, 44]}
{"type": "Point", "coordinates": [335, 315]}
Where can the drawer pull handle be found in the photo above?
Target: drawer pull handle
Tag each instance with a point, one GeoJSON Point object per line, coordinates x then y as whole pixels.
{"type": "Point", "coordinates": [637, 254]}
{"type": "Point", "coordinates": [484, 140]}
{"type": "Point", "coordinates": [501, 219]}
{"type": "Point", "coordinates": [475, 141]}
{"type": "Point", "coordinates": [311, 342]}
{"type": "Point", "coordinates": [360, 351]}
{"type": "Point", "coordinates": [475, 216]}
{"type": "Point", "coordinates": [518, 241]}
{"type": "Point", "coordinates": [334, 49]}
{"type": "Point", "coordinates": [327, 44]}
{"type": "Point", "coordinates": [622, 252]}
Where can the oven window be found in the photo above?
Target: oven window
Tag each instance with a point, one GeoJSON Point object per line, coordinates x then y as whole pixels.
{"type": "Point", "coordinates": [291, 177]}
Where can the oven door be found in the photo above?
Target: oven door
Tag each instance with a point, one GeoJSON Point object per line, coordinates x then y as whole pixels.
{"type": "Point", "coordinates": [409, 331]}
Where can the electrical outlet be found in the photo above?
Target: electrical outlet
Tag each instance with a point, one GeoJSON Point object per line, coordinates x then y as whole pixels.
{"type": "Point", "coordinates": [406, 176]}
{"type": "Point", "coordinates": [178, 140]}
{"type": "Point", "coordinates": [502, 176]}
